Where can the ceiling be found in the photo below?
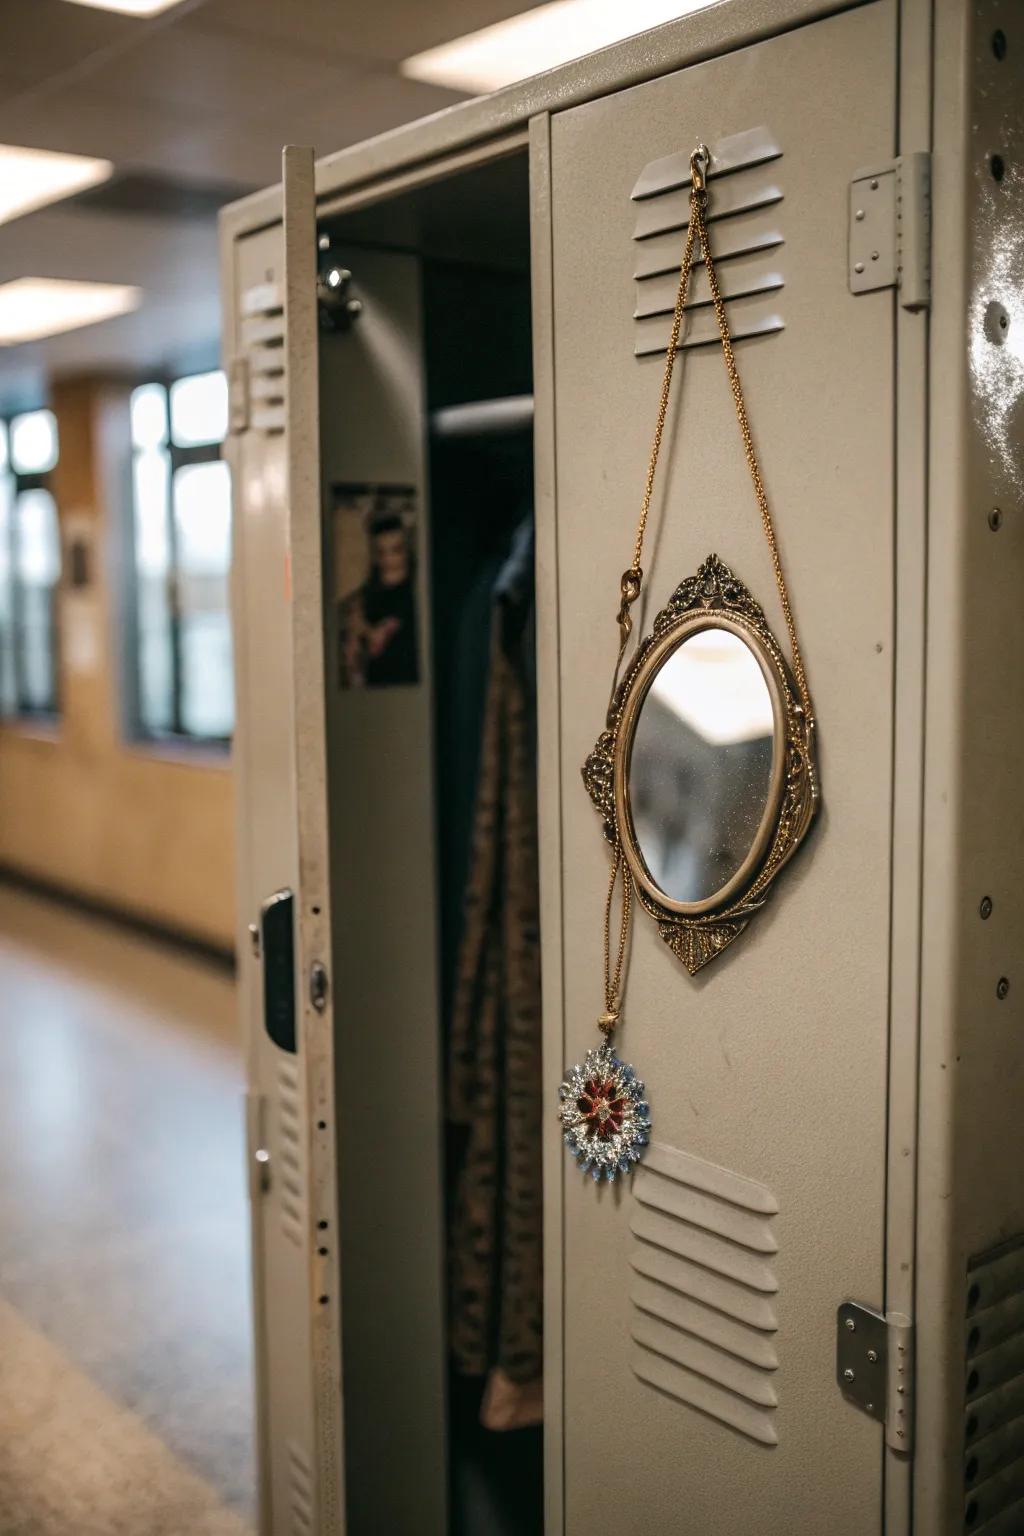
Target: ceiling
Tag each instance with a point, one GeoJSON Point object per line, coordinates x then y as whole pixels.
{"type": "Point", "coordinates": [192, 107]}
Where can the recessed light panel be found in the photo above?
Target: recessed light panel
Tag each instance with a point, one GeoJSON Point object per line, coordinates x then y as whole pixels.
{"type": "Point", "coordinates": [538, 40]}
{"type": "Point", "coordinates": [129, 7]}
{"type": "Point", "coordinates": [31, 178]}
{"type": "Point", "coordinates": [33, 307]}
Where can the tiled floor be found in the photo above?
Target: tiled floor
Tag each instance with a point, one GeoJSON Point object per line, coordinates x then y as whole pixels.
{"type": "Point", "coordinates": [125, 1362]}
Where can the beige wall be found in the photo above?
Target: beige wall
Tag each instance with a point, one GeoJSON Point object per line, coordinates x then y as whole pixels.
{"type": "Point", "coordinates": [129, 825]}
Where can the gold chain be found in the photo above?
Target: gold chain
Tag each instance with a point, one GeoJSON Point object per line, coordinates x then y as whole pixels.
{"type": "Point", "coordinates": [666, 387]}
{"type": "Point", "coordinates": [613, 974]}
{"type": "Point", "coordinates": [632, 579]}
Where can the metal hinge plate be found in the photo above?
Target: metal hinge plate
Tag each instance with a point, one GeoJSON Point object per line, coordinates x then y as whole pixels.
{"type": "Point", "coordinates": [875, 1368]}
{"type": "Point", "coordinates": [890, 229]}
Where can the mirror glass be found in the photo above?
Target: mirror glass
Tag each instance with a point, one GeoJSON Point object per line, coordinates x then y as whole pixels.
{"type": "Point", "coordinates": [701, 765]}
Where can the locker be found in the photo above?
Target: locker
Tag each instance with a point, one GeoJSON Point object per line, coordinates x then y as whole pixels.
{"type": "Point", "coordinates": [803, 1311]}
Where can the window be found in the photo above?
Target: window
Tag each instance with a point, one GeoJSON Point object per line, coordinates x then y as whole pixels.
{"type": "Point", "coordinates": [29, 565]}
{"type": "Point", "coordinates": [183, 679]}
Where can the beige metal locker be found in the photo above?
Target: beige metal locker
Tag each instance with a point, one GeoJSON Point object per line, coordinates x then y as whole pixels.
{"type": "Point", "coordinates": [838, 1137]}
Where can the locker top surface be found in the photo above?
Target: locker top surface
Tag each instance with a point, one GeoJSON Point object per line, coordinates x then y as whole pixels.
{"type": "Point", "coordinates": [471, 124]}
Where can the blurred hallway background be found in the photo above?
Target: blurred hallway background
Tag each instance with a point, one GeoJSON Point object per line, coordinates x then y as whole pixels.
{"type": "Point", "coordinates": [125, 1376]}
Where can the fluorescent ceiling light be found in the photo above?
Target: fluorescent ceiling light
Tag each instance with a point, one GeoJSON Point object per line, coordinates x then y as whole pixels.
{"type": "Point", "coordinates": [32, 307]}
{"type": "Point", "coordinates": [31, 178]}
{"type": "Point", "coordinates": [538, 40]}
{"type": "Point", "coordinates": [129, 7]}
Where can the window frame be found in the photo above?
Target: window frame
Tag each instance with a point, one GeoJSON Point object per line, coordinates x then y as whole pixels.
{"type": "Point", "coordinates": [22, 481]}
{"type": "Point", "coordinates": [179, 456]}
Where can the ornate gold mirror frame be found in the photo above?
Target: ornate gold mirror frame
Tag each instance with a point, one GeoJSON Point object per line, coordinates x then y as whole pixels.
{"type": "Point", "coordinates": [698, 931]}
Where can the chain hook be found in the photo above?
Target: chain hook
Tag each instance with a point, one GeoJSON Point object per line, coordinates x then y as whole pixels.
{"type": "Point", "coordinates": [700, 161]}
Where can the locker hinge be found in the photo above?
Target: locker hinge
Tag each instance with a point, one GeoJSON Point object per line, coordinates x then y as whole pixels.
{"type": "Point", "coordinates": [890, 229]}
{"type": "Point", "coordinates": [875, 1368]}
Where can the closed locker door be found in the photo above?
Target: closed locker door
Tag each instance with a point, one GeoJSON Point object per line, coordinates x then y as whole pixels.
{"type": "Point", "coordinates": [700, 1303]}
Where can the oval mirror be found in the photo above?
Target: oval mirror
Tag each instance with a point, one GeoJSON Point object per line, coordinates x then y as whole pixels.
{"type": "Point", "coordinates": [704, 767]}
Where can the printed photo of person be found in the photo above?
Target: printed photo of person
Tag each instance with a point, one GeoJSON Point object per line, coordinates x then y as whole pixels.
{"type": "Point", "coordinates": [375, 565]}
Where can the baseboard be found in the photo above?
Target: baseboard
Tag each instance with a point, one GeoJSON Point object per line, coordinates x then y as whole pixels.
{"type": "Point", "coordinates": [113, 912]}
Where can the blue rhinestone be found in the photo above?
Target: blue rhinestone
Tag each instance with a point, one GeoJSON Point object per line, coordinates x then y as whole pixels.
{"type": "Point", "coordinates": [624, 1163]}
{"type": "Point", "coordinates": [643, 1109]}
{"type": "Point", "coordinates": [642, 1139]}
{"type": "Point", "coordinates": [595, 1173]}
{"type": "Point", "coordinates": [610, 1173]}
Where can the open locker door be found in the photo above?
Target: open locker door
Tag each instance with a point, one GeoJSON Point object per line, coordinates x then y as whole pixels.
{"type": "Point", "coordinates": [284, 913]}
{"type": "Point", "coordinates": [315, 1013]}
{"type": "Point", "coordinates": [335, 813]}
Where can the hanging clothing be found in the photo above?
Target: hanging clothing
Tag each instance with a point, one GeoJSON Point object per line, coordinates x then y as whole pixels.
{"type": "Point", "coordinates": [495, 1040]}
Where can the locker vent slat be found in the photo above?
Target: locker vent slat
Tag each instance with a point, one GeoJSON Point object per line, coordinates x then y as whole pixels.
{"type": "Point", "coordinates": [746, 205]}
{"type": "Point", "coordinates": [736, 152]}
{"type": "Point", "coordinates": [994, 1392]}
{"type": "Point", "coordinates": [703, 1296]}
{"type": "Point", "coordinates": [289, 1176]}
{"type": "Point", "coordinates": [300, 1491]}
{"type": "Point", "coordinates": [262, 334]}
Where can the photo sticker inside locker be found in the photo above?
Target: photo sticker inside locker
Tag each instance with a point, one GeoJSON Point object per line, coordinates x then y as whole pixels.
{"type": "Point", "coordinates": [375, 529]}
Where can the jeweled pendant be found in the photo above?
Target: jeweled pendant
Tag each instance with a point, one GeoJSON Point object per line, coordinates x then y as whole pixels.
{"type": "Point", "coordinates": [605, 1117]}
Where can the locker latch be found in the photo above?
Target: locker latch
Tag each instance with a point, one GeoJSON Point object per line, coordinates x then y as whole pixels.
{"type": "Point", "coordinates": [875, 1368]}
{"type": "Point", "coordinates": [890, 229]}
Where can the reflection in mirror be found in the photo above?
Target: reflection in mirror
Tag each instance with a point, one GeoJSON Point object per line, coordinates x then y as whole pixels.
{"type": "Point", "coordinates": [701, 765]}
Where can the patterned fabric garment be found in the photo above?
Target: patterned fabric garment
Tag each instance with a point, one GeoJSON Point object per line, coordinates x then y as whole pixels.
{"type": "Point", "coordinates": [494, 1069]}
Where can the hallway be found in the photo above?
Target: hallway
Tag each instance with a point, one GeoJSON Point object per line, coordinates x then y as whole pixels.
{"type": "Point", "coordinates": [125, 1356]}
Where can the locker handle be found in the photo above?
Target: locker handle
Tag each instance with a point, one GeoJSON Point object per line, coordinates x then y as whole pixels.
{"type": "Point", "coordinates": [277, 951]}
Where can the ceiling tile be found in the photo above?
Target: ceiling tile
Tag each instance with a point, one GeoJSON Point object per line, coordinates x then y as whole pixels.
{"type": "Point", "coordinates": [140, 134]}
{"type": "Point", "coordinates": [215, 74]}
{"type": "Point", "coordinates": [385, 30]}
{"type": "Point", "coordinates": [45, 37]}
